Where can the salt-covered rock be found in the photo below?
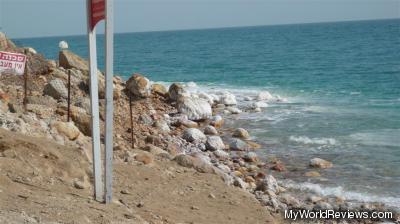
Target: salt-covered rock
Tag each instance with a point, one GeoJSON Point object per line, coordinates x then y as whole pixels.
{"type": "Point", "coordinates": [221, 154]}
{"type": "Point", "coordinates": [241, 133]}
{"type": "Point", "coordinates": [269, 183]}
{"type": "Point", "coordinates": [177, 91]}
{"type": "Point", "coordinates": [259, 104]}
{"type": "Point", "coordinates": [194, 135]}
{"type": "Point", "coordinates": [236, 144]}
{"type": "Point", "coordinates": [63, 45]}
{"type": "Point", "coordinates": [228, 99]}
{"type": "Point", "coordinates": [234, 110]}
{"type": "Point", "coordinates": [247, 98]}
{"type": "Point", "coordinates": [138, 85]}
{"type": "Point", "coordinates": [320, 163]}
{"type": "Point", "coordinates": [214, 143]}
{"type": "Point", "coordinates": [56, 89]}
{"type": "Point", "coordinates": [206, 97]}
{"type": "Point", "coordinates": [265, 95]}
{"type": "Point", "coordinates": [217, 121]}
{"type": "Point", "coordinates": [194, 108]}
{"type": "Point", "coordinates": [210, 130]}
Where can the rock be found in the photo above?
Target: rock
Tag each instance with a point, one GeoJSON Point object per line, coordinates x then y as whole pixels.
{"type": "Point", "coordinates": [265, 95]}
{"type": "Point", "coordinates": [153, 139]}
{"type": "Point", "coordinates": [238, 145]}
{"type": "Point", "coordinates": [194, 135]}
{"type": "Point", "coordinates": [234, 110]}
{"type": "Point", "coordinates": [320, 163]}
{"type": "Point", "coordinates": [228, 99]}
{"type": "Point", "coordinates": [238, 182]}
{"type": "Point", "coordinates": [41, 100]}
{"type": "Point", "coordinates": [214, 143]}
{"type": "Point", "coordinates": [249, 179]}
{"type": "Point", "coordinates": [79, 184]}
{"type": "Point", "coordinates": [194, 108]}
{"type": "Point", "coordinates": [256, 105]}
{"type": "Point", "coordinates": [202, 165]}
{"type": "Point", "coordinates": [210, 130]}
{"type": "Point", "coordinates": [145, 158]}
{"type": "Point", "coordinates": [4, 96]}
{"type": "Point", "coordinates": [280, 167]}
{"type": "Point", "coordinates": [217, 121]}
{"type": "Point", "coordinates": [162, 126]}
{"type": "Point", "coordinates": [322, 205]}
{"type": "Point", "coordinates": [138, 85]}
{"type": "Point", "coordinates": [207, 97]}
{"type": "Point", "coordinates": [63, 45]}
{"type": "Point", "coordinates": [146, 119]}
{"type": "Point", "coordinates": [56, 89]}
{"type": "Point", "coordinates": [159, 89]}
{"type": "Point", "coordinates": [241, 133]}
{"type": "Point", "coordinates": [176, 91]}
{"type": "Point", "coordinates": [247, 98]}
{"type": "Point", "coordinates": [67, 129]}
{"type": "Point", "coordinates": [289, 200]}
{"type": "Point", "coordinates": [84, 103]}
{"type": "Point", "coordinates": [314, 199]}
{"type": "Point", "coordinates": [154, 149]}
{"type": "Point", "coordinates": [268, 184]}
{"type": "Point", "coordinates": [184, 160]}
{"type": "Point", "coordinates": [312, 174]}
{"type": "Point", "coordinates": [257, 109]}
{"type": "Point", "coordinates": [221, 154]}
{"type": "Point", "coordinates": [5, 43]}
{"type": "Point", "coordinates": [30, 50]}
{"type": "Point", "coordinates": [82, 121]}
{"type": "Point", "coordinates": [250, 157]}
{"type": "Point", "coordinates": [69, 60]}
{"type": "Point", "coordinates": [189, 123]}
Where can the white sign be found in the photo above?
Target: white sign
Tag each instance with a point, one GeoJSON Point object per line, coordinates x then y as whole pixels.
{"type": "Point", "coordinates": [12, 63]}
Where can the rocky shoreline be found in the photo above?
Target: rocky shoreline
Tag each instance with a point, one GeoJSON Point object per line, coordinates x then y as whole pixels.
{"type": "Point", "coordinates": [173, 122]}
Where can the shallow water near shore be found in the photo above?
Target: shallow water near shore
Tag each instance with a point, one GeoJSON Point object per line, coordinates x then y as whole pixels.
{"type": "Point", "coordinates": [341, 82]}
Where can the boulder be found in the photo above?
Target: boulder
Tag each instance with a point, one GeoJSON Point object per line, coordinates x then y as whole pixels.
{"type": "Point", "coordinates": [5, 43]}
{"type": "Point", "coordinates": [159, 89]}
{"type": "Point", "coordinates": [210, 130]}
{"type": "Point", "coordinates": [269, 183]}
{"type": "Point", "coordinates": [265, 95]}
{"type": "Point", "coordinates": [320, 163]}
{"type": "Point", "coordinates": [259, 104]}
{"type": "Point", "coordinates": [214, 143]}
{"type": "Point", "coordinates": [194, 135]}
{"type": "Point", "coordinates": [194, 108]}
{"type": "Point", "coordinates": [68, 129]}
{"type": "Point", "coordinates": [41, 100]}
{"type": "Point", "coordinates": [162, 126]}
{"type": "Point", "coordinates": [184, 160]}
{"type": "Point", "coordinates": [37, 64]}
{"type": "Point", "coordinates": [56, 89]}
{"type": "Point", "coordinates": [221, 154]}
{"type": "Point", "coordinates": [234, 110]}
{"type": "Point", "coordinates": [189, 123]}
{"type": "Point", "coordinates": [138, 85]}
{"type": "Point", "coordinates": [217, 121]}
{"type": "Point", "coordinates": [69, 60]}
{"type": "Point", "coordinates": [207, 97]}
{"type": "Point", "coordinates": [84, 103]}
{"type": "Point", "coordinates": [228, 99]}
{"type": "Point", "coordinates": [236, 144]}
{"type": "Point", "coordinates": [176, 91]}
{"type": "Point", "coordinates": [241, 133]}
{"type": "Point", "coordinates": [250, 157]}
{"type": "Point", "coordinates": [82, 120]}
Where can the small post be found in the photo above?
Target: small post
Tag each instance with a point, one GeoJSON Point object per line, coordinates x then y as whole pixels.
{"type": "Point", "coordinates": [25, 81]}
{"type": "Point", "coordinates": [69, 95]}
{"type": "Point", "coordinates": [131, 115]}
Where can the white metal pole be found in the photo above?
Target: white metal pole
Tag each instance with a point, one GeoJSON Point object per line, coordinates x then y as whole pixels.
{"type": "Point", "coordinates": [109, 33]}
{"type": "Point", "coordinates": [94, 103]}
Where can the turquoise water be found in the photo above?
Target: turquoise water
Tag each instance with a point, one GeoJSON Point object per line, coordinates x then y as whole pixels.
{"type": "Point", "coordinates": [342, 82]}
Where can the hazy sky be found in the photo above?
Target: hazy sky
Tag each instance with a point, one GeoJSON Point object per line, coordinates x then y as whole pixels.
{"type": "Point", "coordinates": [35, 18]}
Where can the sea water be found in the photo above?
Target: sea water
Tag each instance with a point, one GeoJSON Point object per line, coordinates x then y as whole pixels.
{"type": "Point", "coordinates": [341, 82]}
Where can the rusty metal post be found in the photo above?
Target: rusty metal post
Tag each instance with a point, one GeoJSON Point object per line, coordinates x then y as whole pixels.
{"type": "Point", "coordinates": [69, 96]}
{"type": "Point", "coordinates": [131, 116]}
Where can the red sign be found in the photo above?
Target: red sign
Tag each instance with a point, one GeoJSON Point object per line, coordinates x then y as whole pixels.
{"type": "Point", "coordinates": [12, 63]}
{"type": "Point", "coordinates": [97, 12]}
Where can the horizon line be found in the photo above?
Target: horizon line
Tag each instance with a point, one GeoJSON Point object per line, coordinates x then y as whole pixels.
{"type": "Point", "coordinates": [210, 28]}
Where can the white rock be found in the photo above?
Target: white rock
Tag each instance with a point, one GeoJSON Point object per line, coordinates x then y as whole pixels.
{"type": "Point", "coordinates": [259, 105]}
{"type": "Point", "coordinates": [214, 143]}
{"type": "Point", "coordinates": [194, 135]}
{"type": "Point", "coordinates": [247, 98]}
{"type": "Point", "coordinates": [207, 97]}
{"type": "Point", "coordinates": [195, 109]}
{"type": "Point", "coordinates": [320, 163]}
{"type": "Point", "coordinates": [221, 154]}
{"type": "Point", "coordinates": [228, 99]}
{"type": "Point", "coordinates": [210, 130]}
{"type": "Point", "coordinates": [257, 109]}
{"type": "Point", "coordinates": [63, 45]}
{"type": "Point", "coordinates": [265, 95]}
{"type": "Point", "coordinates": [234, 110]}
